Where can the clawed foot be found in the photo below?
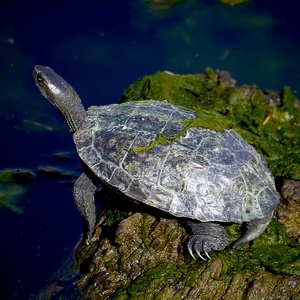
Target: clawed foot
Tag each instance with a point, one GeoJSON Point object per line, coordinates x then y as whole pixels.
{"type": "Point", "coordinates": [197, 244]}
{"type": "Point", "coordinates": [206, 237]}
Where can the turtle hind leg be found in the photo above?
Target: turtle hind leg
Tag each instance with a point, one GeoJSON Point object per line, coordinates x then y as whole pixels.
{"type": "Point", "coordinates": [206, 237]}
{"type": "Point", "coordinates": [83, 192]}
{"type": "Point", "coordinates": [253, 230]}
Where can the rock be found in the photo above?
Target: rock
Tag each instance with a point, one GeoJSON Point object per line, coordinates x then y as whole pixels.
{"type": "Point", "coordinates": [141, 243]}
{"type": "Point", "coordinates": [14, 183]}
{"type": "Point", "coordinates": [288, 211]}
{"type": "Point", "coordinates": [57, 173]}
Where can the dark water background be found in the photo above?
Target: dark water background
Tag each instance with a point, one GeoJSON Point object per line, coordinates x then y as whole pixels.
{"type": "Point", "coordinates": [101, 47]}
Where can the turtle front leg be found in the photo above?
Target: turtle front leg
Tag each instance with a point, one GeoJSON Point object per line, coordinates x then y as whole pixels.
{"type": "Point", "coordinates": [253, 230]}
{"type": "Point", "coordinates": [83, 192]}
{"type": "Point", "coordinates": [206, 237]}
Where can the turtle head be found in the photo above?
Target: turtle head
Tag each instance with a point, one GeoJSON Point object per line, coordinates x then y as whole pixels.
{"type": "Point", "coordinates": [61, 95]}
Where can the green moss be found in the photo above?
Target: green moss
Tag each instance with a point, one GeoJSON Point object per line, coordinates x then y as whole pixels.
{"type": "Point", "coordinates": [192, 271]}
{"type": "Point", "coordinates": [6, 176]}
{"type": "Point", "coordinates": [162, 86]}
{"type": "Point", "coordinates": [274, 251]}
{"type": "Point", "coordinates": [10, 204]}
{"type": "Point", "coordinates": [12, 188]}
{"type": "Point", "coordinates": [145, 231]}
{"type": "Point", "coordinates": [111, 263]}
{"type": "Point", "coordinates": [10, 195]}
{"type": "Point", "coordinates": [115, 216]}
{"type": "Point", "coordinates": [203, 120]}
{"type": "Point", "coordinates": [160, 139]}
{"type": "Point", "coordinates": [149, 284]}
{"type": "Point", "coordinates": [270, 251]}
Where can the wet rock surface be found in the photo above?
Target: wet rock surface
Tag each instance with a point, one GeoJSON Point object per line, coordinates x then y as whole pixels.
{"type": "Point", "coordinates": [288, 211]}
{"type": "Point", "coordinates": [57, 173]}
{"type": "Point", "coordinates": [141, 243]}
{"type": "Point", "coordinates": [62, 166]}
{"type": "Point", "coordinates": [145, 258]}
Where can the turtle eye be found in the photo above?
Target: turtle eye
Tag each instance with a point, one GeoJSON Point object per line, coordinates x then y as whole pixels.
{"type": "Point", "coordinates": [40, 78]}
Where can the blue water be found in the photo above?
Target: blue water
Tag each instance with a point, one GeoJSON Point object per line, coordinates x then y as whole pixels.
{"type": "Point", "coordinates": [101, 49]}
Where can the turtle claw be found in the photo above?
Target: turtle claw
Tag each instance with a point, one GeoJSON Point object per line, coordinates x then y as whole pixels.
{"type": "Point", "coordinates": [206, 237]}
{"type": "Point", "coordinates": [191, 247]}
{"type": "Point", "coordinates": [191, 253]}
{"type": "Point", "coordinates": [199, 254]}
{"type": "Point", "coordinates": [196, 244]}
{"type": "Point", "coordinates": [206, 253]}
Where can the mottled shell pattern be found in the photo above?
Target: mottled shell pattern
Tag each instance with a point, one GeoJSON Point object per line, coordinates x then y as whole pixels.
{"type": "Point", "coordinates": [202, 174]}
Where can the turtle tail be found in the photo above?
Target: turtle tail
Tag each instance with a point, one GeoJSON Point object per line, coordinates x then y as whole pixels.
{"type": "Point", "coordinates": [253, 230]}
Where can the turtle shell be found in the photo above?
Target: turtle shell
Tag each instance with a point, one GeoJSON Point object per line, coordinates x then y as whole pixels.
{"type": "Point", "coordinates": [144, 150]}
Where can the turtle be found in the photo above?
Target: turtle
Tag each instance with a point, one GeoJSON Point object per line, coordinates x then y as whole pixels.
{"type": "Point", "coordinates": [147, 151]}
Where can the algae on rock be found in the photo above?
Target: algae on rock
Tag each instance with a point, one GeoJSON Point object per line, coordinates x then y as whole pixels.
{"type": "Point", "coordinates": [12, 187]}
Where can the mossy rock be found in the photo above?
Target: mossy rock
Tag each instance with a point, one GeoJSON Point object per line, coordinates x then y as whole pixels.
{"type": "Point", "coordinates": [13, 185]}
{"type": "Point", "coordinates": [138, 252]}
